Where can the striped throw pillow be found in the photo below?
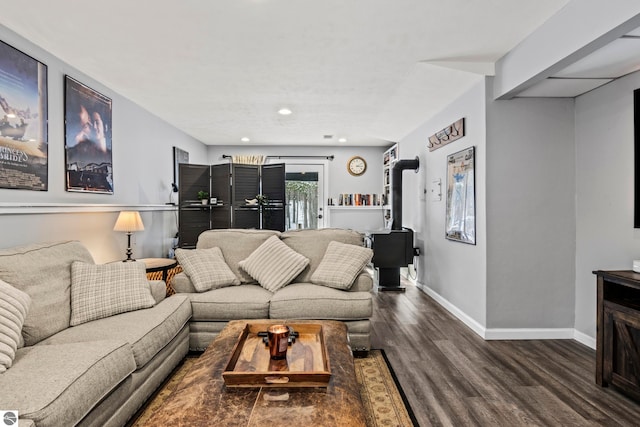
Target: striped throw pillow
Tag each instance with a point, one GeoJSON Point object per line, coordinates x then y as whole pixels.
{"type": "Point", "coordinates": [341, 265]}
{"type": "Point", "coordinates": [274, 264]}
{"type": "Point", "coordinates": [103, 290]}
{"type": "Point", "coordinates": [206, 268]}
{"type": "Point", "coordinates": [14, 306]}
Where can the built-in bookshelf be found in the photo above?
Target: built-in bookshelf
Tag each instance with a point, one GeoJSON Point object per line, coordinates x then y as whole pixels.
{"type": "Point", "coordinates": [390, 157]}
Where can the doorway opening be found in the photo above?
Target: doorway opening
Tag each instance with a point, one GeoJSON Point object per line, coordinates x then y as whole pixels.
{"type": "Point", "coordinates": [304, 196]}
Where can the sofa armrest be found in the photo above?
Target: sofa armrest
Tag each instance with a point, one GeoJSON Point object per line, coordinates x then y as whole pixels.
{"type": "Point", "coordinates": [363, 282]}
{"type": "Point", "coordinates": [158, 290]}
{"type": "Point", "coordinates": [182, 284]}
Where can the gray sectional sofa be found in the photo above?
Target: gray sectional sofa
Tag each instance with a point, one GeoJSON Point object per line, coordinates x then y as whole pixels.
{"type": "Point", "coordinates": [300, 299]}
{"type": "Point", "coordinates": [97, 373]}
{"type": "Point", "coordinates": [100, 372]}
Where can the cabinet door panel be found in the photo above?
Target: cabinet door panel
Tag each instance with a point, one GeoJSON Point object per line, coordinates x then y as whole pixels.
{"type": "Point", "coordinates": [621, 352]}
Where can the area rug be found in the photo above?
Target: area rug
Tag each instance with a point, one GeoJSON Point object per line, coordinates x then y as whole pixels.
{"type": "Point", "coordinates": [381, 396]}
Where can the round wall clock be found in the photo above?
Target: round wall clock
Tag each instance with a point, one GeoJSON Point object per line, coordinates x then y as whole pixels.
{"type": "Point", "coordinates": [356, 166]}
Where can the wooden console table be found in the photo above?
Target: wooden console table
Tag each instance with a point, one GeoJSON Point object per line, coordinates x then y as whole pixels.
{"type": "Point", "coordinates": [618, 333]}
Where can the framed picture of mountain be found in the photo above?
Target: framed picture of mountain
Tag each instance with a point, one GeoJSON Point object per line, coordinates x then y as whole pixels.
{"type": "Point", "coordinates": [87, 125]}
{"type": "Point", "coordinates": [23, 121]}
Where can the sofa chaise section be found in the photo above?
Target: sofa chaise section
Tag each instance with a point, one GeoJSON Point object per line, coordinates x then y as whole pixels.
{"type": "Point", "coordinates": [99, 372]}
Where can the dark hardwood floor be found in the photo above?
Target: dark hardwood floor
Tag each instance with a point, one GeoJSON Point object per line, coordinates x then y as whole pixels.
{"type": "Point", "coordinates": [452, 377]}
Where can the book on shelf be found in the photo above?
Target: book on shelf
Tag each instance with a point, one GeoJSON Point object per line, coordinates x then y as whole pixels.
{"type": "Point", "coordinates": [357, 199]}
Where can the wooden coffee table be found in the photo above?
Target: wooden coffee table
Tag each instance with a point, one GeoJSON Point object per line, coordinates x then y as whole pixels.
{"type": "Point", "coordinates": [202, 399]}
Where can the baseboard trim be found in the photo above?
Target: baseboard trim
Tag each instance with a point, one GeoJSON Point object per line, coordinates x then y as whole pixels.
{"type": "Point", "coordinates": [461, 315]}
{"type": "Point", "coordinates": [585, 339]}
{"type": "Point", "coordinates": [508, 333]}
{"type": "Point", "coordinates": [529, 334]}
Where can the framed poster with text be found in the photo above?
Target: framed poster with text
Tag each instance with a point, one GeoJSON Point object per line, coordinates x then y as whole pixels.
{"type": "Point", "coordinates": [87, 122]}
{"type": "Point", "coordinates": [23, 123]}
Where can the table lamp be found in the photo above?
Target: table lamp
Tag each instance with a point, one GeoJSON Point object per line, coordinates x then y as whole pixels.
{"type": "Point", "coordinates": [129, 221]}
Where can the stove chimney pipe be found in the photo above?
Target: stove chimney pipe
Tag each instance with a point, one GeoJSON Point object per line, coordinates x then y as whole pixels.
{"type": "Point", "coordinates": [396, 189]}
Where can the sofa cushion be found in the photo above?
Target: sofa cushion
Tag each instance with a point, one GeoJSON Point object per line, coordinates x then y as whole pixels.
{"type": "Point", "coordinates": [43, 271]}
{"type": "Point", "coordinates": [206, 268]}
{"type": "Point", "coordinates": [309, 301]}
{"type": "Point", "coordinates": [99, 291]}
{"type": "Point", "coordinates": [14, 306]}
{"type": "Point", "coordinates": [341, 265]}
{"type": "Point", "coordinates": [233, 303]}
{"type": "Point", "coordinates": [313, 245]}
{"type": "Point", "coordinates": [274, 264]}
{"type": "Point", "coordinates": [236, 245]}
{"type": "Point", "coordinates": [57, 385]}
{"type": "Point", "coordinates": [146, 331]}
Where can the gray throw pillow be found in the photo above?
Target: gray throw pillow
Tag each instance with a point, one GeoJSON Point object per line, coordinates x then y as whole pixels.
{"type": "Point", "coordinates": [14, 305]}
{"type": "Point", "coordinates": [206, 268]}
{"type": "Point", "coordinates": [274, 264]}
{"type": "Point", "coordinates": [99, 291]}
{"type": "Point", "coordinates": [341, 265]}
{"type": "Point", "coordinates": [43, 271]}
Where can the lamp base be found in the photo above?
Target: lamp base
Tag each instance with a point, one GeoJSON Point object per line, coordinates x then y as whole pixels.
{"type": "Point", "coordinates": [129, 250]}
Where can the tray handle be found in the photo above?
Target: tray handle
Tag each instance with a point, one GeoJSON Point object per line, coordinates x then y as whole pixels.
{"type": "Point", "coordinates": [276, 380]}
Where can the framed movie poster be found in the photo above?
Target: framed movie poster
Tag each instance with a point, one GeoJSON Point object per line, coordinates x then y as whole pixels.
{"type": "Point", "coordinates": [461, 200]}
{"type": "Point", "coordinates": [23, 122]}
{"type": "Point", "coordinates": [87, 120]}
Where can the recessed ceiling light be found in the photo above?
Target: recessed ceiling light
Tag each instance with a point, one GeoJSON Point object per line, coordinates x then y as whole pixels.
{"type": "Point", "coordinates": [342, 140]}
{"type": "Point", "coordinates": [284, 111]}
{"type": "Point", "coordinates": [245, 139]}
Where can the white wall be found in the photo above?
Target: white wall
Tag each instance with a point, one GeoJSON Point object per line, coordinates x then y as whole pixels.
{"type": "Point", "coordinates": [452, 271]}
{"type": "Point", "coordinates": [605, 237]}
{"type": "Point", "coordinates": [142, 172]}
{"type": "Point", "coordinates": [530, 213]}
{"type": "Point", "coordinates": [520, 273]}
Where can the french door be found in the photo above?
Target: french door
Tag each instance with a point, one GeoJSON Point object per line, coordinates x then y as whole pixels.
{"type": "Point", "coordinates": [304, 198]}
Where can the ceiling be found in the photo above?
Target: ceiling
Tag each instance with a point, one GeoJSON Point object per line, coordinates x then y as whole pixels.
{"type": "Point", "coordinates": [369, 71]}
{"type": "Point", "coordinates": [612, 61]}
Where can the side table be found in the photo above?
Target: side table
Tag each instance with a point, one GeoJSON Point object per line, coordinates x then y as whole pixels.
{"type": "Point", "coordinates": [162, 269]}
{"type": "Point", "coordinates": [163, 265]}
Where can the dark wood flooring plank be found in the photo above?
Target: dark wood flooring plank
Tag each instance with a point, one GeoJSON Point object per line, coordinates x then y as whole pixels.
{"type": "Point", "coordinates": [452, 377]}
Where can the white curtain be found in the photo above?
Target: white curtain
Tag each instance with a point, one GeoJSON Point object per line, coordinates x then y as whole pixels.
{"type": "Point", "coordinates": [256, 159]}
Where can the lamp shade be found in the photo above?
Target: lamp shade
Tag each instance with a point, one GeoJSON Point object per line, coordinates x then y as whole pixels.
{"type": "Point", "coordinates": [129, 221]}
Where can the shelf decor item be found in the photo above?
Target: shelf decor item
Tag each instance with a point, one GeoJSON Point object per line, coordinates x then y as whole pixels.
{"type": "Point", "coordinates": [461, 205]}
{"type": "Point", "coordinates": [203, 196]}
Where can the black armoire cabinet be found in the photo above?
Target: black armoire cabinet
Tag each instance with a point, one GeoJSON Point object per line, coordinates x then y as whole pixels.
{"type": "Point", "coordinates": [231, 185]}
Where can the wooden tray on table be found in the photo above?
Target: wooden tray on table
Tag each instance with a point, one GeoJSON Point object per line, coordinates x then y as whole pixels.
{"type": "Point", "coordinates": [306, 365]}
